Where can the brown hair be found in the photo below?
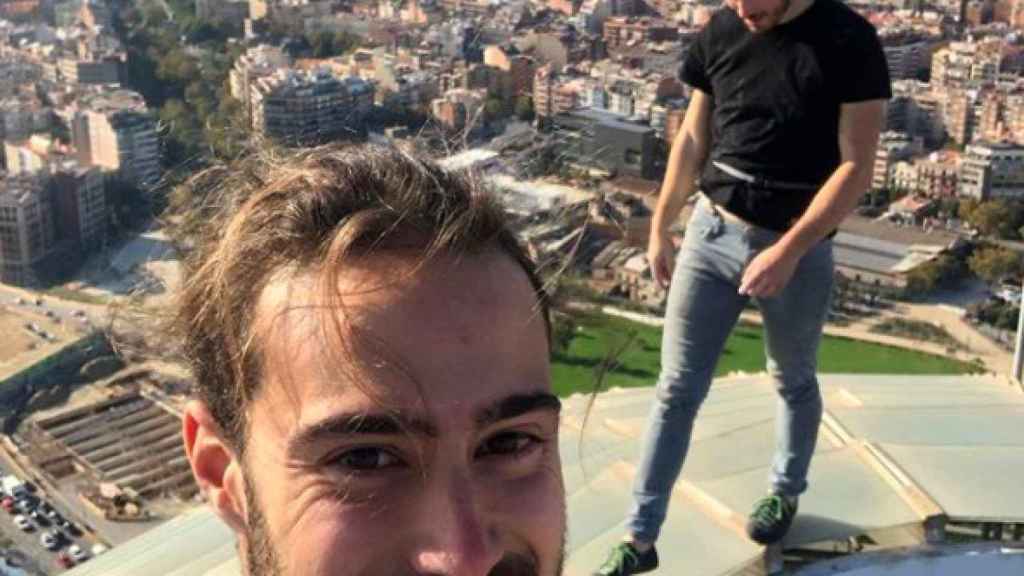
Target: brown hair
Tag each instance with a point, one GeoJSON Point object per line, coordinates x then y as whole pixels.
{"type": "Point", "coordinates": [307, 212]}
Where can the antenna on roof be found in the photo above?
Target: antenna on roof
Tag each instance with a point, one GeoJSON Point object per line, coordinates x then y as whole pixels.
{"type": "Point", "coordinates": [1018, 354]}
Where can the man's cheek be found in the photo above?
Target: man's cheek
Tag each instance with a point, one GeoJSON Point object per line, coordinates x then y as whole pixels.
{"type": "Point", "coordinates": [338, 537]}
{"type": "Point", "coordinates": [535, 504]}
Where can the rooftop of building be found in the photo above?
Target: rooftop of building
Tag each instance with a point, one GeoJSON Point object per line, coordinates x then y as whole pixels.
{"type": "Point", "coordinates": [17, 189]}
{"type": "Point", "coordinates": [895, 454]}
{"type": "Point", "coordinates": [608, 119]}
{"type": "Point", "coordinates": [110, 99]}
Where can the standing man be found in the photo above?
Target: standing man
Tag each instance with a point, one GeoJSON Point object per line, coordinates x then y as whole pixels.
{"type": "Point", "coordinates": [788, 101]}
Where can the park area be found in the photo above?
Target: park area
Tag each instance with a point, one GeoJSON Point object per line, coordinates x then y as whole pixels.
{"type": "Point", "coordinates": [633, 352]}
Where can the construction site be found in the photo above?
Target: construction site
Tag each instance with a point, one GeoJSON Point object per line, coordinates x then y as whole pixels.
{"type": "Point", "coordinates": [111, 447]}
{"type": "Point", "coordinates": [127, 441]}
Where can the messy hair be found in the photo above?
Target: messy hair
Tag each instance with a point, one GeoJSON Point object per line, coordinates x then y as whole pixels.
{"type": "Point", "coordinates": [311, 212]}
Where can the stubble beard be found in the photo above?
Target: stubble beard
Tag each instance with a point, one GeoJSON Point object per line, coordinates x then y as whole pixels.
{"type": "Point", "coordinates": [262, 558]}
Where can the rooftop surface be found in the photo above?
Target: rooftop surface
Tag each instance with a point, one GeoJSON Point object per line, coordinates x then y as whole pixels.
{"type": "Point", "coordinates": [893, 452]}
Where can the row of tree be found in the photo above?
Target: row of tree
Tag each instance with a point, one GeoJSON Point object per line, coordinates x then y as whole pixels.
{"type": "Point", "coordinates": [989, 262]}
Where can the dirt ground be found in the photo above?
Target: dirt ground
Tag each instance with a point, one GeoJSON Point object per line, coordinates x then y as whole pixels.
{"type": "Point", "coordinates": [19, 341]}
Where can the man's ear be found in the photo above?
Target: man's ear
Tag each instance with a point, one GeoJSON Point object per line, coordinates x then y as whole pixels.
{"type": "Point", "coordinates": [215, 465]}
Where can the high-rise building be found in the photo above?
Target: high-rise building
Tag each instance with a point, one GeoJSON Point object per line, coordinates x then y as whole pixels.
{"type": "Point", "coordinates": [991, 170]}
{"type": "Point", "coordinates": [257, 62]}
{"type": "Point", "coordinates": [520, 68]}
{"type": "Point", "coordinates": [892, 148]}
{"type": "Point", "coordinates": [544, 81]}
{"type": "Point", "coordinates": [627, 31]}
{"type": "Point", "coordinates": [114, 130]}
{"type": "Point", "coordinates": [302, 107]}
{"type": "Point", "coordinates": [101, 70]}
{"type": "Point", "coordinates": [603, 141]}
{"type": "Point", "coordinates": [967, 64]}
{"type": "Point", "coordinates": [27, 235]}
{"type": "Point", "coordinates": [959, 115]}
{"type": "Point", "coordinates": [906, 52]}
{"type": "Point", "coordinates": [78, 196]}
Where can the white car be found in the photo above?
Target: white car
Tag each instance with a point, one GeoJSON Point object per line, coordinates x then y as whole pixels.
{"type": "Point", "coordinates": [49, 541]}
{"type": "Point", "coordinates": [98, 549]}
{"type": "Point", "coordinates": [21, 522]}
{"type": "Point", "coordinates": [77, 553]}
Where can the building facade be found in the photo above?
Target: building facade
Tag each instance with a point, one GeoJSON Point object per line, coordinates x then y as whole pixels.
{"type": "Point", "coordinates": [115, 131]}
{"type": "Point", "coordinates": [27, 237]}
{"type": "Point", "coordinates": [990, 170]}
{"type": "Point", "coordinates": [598, 140]}
{"type": "Point", "coordinates": [304, 107]}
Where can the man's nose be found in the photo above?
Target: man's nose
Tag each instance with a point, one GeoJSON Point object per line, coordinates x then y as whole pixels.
{"type": "Point", "coordinates": [743, 8]}
{"type": "Point", "coordinates": [456, 536]}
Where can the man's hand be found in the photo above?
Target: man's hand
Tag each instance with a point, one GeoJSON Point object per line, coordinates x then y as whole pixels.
{"type": "Point", "coordinates": [769, 272]}
{"type": "Point", "coordinates": [661, 255]}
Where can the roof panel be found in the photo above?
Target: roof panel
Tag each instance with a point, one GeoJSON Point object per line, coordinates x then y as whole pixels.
{"type": "Point", "coordinates": [968, 482]}
{"type": "Point", "coordinates": [946, 425]}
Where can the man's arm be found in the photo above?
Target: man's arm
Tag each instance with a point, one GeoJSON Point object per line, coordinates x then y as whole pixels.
{"type": "Point", "coordinates": [689, 151]}
{"type": "Point", "coordinates": [859, 126]}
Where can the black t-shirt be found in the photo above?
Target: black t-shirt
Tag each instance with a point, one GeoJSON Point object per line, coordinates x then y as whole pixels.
{"type": "Point", "coordinates": [777, 96]}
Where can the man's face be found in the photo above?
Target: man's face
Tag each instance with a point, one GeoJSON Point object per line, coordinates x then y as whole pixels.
{"type": "Point", "coordinates": [759, 15]}
{"type": "Point", "coordinates": [451, 467]}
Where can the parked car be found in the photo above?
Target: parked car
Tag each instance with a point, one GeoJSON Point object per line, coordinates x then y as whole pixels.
{"type": "Point", "coordinates": [77, 553]}
{"type": "Point", "coordinates": [64, 560]}
{"type": "Point", "coordinates": [49, 541]}
{"type": "Point", "coordinates": [67, 526]}
{"type": "Point", "coordinates": [49, 511]}
{"type": "Point", "coordinates": [23, 523]}
{"type": "Point", "coordinates": [39, 518]}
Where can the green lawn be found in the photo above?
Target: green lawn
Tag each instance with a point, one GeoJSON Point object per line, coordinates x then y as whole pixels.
{"type": "Point", "coordinates": [639, 364]}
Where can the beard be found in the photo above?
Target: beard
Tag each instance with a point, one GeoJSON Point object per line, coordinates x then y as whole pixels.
{"type": "Point", "coordinates": [262, 558]}
{"type": "Point", "coordinates": [767, 20]}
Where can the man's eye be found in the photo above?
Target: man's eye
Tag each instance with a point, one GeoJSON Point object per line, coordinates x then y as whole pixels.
{"type": "Point", "coordinates": [368, 459]}
{"type": "Point", "coordinates": [508, 444]}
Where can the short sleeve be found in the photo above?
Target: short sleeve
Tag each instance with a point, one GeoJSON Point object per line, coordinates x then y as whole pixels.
{"type": "Point", "coordinates": [866, 72]}
{"type": "Point", "coordinates": [694, 68]}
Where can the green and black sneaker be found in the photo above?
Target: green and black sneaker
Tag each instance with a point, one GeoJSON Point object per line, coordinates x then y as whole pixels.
{"type": "Point", "coordinates": [625, 560]}
{"type": "Point", "coordinates": [771, 518]}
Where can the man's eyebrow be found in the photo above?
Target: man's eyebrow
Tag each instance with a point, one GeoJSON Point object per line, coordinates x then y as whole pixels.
{"type": "Point", "coordinates": [393, 424]}
{"type": "Point", "coordinates": [517, 405]}
{"type": "Point", "coordinates": [357, 424]}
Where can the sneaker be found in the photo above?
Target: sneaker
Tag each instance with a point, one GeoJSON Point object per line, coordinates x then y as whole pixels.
{"type": "Point", "coordinates": [625, 560]}
{"type": "Point", "coordinates": [771, 518]}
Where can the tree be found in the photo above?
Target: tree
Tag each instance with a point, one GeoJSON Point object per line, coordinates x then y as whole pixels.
{"type": "Point", "coordinates": [993, 263]}
{"type": "Point", "coordinates": [183, 135]}
{"type": "Point", "coordinates": [493, 109]}
{"type": "Point", "coordinates": [998, 218]}
{"type": "Point", "coordinates": [949, 207]}
{"type": "Point", "coordinates": [946, 270]}
{"type": "Point", "coordinates": [524, 108]}
{"type": "Point", "coordinates": [922, 280]}
{"type": "Point", "coordinates": [563, 330]}
{"type": "Point", "coordinates": [326, 44]}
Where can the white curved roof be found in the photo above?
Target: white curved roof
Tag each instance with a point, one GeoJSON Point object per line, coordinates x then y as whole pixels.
{"type": "Point", "coordinates": [893, 452]}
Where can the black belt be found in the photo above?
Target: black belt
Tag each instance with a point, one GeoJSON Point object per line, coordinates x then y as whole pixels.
{"type": "Point", "coordinates": [761, 181]}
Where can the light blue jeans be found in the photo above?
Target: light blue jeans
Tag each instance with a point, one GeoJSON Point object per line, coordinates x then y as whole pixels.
{"type": "Point", "coordinates": [703, 307]}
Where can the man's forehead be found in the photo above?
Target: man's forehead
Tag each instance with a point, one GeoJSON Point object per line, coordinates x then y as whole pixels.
{"type": "Point", "coordinates": [468, 327]}
{"type": "Point", "coordinates": [480, 282]}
